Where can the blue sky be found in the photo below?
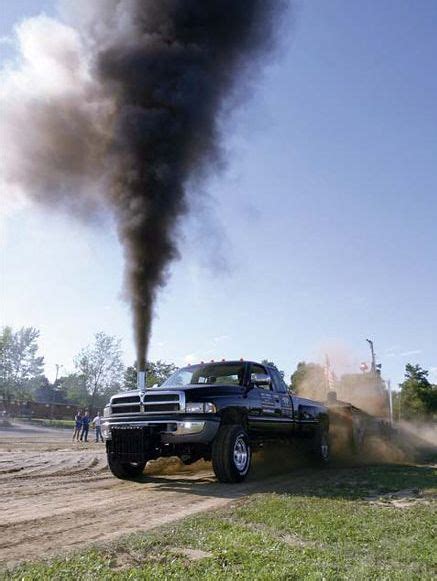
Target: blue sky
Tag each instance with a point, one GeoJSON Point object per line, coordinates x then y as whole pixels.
{"type": "Point", "coordinates": [320, 231]}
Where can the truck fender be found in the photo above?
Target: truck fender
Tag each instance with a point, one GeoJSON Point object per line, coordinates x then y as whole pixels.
{"type": "Point", "coordinates": [234, 416]}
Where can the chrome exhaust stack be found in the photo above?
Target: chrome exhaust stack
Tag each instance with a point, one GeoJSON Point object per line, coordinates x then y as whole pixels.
{"type": "Point", "coordinates": [141, 381]}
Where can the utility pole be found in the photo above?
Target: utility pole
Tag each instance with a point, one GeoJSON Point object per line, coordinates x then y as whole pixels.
{"type": "Point", "coordinates": [58, 367]}
{"type": "Point", "coordinates": [372, 351]}
{"type": "Point", "coordinates": [329, 376]}
{"type": "Point", "coordinates": [57, 372]}
{"type": "Point", "coordinates": [400, 405]}
{"type": "Point", "coordinates": [390, 400]}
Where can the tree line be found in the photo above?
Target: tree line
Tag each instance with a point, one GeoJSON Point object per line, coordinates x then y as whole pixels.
{"type": "Point", "coordinates": [99, 372]}
{"type": "Point", "coordinates": [417, 398]}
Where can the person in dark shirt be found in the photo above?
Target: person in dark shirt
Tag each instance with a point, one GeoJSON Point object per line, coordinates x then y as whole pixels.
{"type": "Point", "coordinates": [77, 425]}
{"type": "Point", "coordinates": [85, 426]}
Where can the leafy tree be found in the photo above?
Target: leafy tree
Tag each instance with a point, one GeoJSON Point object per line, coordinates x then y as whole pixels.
{"type": "Point", "coordinates": [101, 368]}
{"type": "Point", "coordinates": [157, 373]}
{"type": "Point", "coordinates": [418, 397]}
{"type": "Point", "coordinates": [309, 379]}
{"type": "Point", "coordinates": [130, 378]}
{"type": "Point", "coordinates": [19, 361]}
{"type": "Point", "coordinates": [73, 386]}
{"type": "Point", "coordinates": [46, 392]}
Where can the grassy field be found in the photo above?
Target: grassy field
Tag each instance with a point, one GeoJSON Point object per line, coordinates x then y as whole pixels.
{"type": "Point", "coordinates": [358, 523]}
{"type": "Point", "coordinates": [53, 423]}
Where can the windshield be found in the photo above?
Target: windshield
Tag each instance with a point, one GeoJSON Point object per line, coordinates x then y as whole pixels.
{"type": "Point", "coordinates": [222, 373]}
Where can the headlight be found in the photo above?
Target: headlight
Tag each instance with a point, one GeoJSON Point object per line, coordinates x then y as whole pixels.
{"type": "Point", "coordinates": [200, 408]}
{"type": "Point", "coordinates": [107, 411]}
{"type": "Point", "coordinates": [106, 431]}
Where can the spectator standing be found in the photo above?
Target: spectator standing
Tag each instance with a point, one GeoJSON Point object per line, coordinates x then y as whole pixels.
{"type": "Point", "coordinates": [97, 423]}
{"type": "Point", "coordinates": [77, 425]}
{"type": "Point", "coordinates": [85, 426]}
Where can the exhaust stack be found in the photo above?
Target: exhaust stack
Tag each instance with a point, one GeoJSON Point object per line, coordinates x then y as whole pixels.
{"type": "Point", "coordinates": [141, 381]}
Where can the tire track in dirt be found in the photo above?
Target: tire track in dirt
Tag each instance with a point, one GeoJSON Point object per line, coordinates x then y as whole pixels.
{"type": "Point", "coordinates": [56, 498]}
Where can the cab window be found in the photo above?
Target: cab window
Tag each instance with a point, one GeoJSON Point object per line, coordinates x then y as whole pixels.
{"type": "Point", "coordinates": [278, 382]}
{"type": "Point", "coordinates": [256, 372]}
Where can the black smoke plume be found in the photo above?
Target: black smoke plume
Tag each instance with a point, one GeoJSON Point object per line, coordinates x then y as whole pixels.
{"type": "Point", "coordinates": [137, 118]}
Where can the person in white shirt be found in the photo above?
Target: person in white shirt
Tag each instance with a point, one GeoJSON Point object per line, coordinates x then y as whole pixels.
{"type": "Point", "coordinates": [97, 423]}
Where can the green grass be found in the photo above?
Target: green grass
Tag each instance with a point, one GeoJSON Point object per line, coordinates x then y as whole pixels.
{"type": "Point", "coordinates": [321, 527]}
{"type": "Point", "coordinates": [53, 423]}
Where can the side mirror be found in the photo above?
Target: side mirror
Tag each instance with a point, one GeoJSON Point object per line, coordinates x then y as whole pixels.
{"type": "Point", "coordinates": [260, 379]}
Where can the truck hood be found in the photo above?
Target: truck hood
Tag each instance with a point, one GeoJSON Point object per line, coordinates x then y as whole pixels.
{"type": "Point", "coordinates": [212, 389]}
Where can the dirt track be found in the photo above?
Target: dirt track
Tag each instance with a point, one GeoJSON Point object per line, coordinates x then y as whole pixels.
{"type": "Point", "coordinates": [57, 495]}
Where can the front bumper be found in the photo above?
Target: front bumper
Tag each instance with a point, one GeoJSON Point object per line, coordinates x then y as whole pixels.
{"type": "Point", "coordinates": [184, 430]}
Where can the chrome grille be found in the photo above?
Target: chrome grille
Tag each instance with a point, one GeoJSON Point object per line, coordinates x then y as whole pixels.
{"type": "Point", "coordinates": [126, 399]}
{"type": "Point", "coordinates": [129, 404]}
{"type": "Point", "coordinates": [149, 403]}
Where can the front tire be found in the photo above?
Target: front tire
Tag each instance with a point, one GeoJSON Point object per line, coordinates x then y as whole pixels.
{"type": "Point", "coordinates": [231, 454]}
{"type": "Point", "coordinates": [125, 470]}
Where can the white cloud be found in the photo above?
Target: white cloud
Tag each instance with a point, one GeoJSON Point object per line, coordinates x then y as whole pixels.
{"type": "Point", "coordinates": [221, 338]}
{"type": "Point", "coordinates": [394, 352]}
{"type": "Point", "coordinates": [6, 39]}
{"type": "Point", "coordinates": [197, 357]}
{"type": "Point", "coordinates": [190, 358]}
{"type": "Point", "coordinates": [392, 349]}
{"type": "Point", "coordinates": [412, 352]}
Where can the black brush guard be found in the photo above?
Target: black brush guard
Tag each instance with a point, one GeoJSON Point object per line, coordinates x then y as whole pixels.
{"type": "Point", "coordinates": [134, 444]}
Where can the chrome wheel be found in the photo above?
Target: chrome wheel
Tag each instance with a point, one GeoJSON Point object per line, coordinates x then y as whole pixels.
{"type": "Point", "coordinates": [241, 454]}
{"type": "Point", "coordinates": [231, 453]}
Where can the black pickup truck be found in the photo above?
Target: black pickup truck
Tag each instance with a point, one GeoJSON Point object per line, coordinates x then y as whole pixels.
{"type": "Point", "coordinates": [216, 411]}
